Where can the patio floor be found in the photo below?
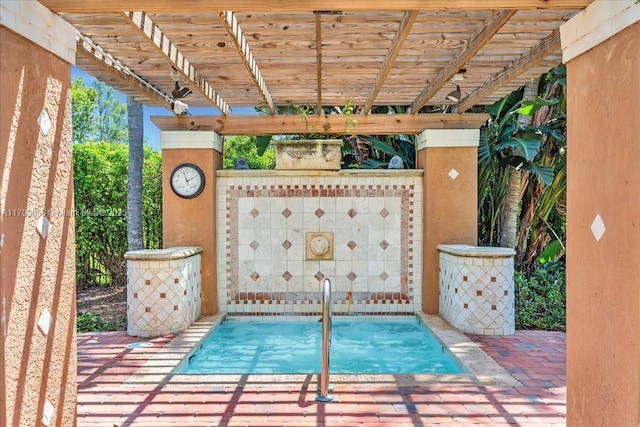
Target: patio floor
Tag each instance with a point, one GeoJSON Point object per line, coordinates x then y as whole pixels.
{"type": "Point", "coordinates": [535, 358]}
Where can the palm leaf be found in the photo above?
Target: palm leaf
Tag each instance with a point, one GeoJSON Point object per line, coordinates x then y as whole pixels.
{"type": "Point", "coordinates": [544, 174]}
{"type": "Point", "coordinates": [262, 142]}
{"type": "Point", "coordinates": [528, 148]}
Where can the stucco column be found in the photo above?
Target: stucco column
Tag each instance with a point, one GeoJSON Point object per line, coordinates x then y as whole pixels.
{"type": "Point", "coordinates": [192, 222]}
{"type": "Point", "coordinates": [37, 226]}
{"type": "Point", "coordinates": [601, 48]}
{"type": "Point", "coordinates": [449, 158]}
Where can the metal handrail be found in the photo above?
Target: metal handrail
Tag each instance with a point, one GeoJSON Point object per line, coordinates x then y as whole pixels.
{"type": "Point", "coordinates": [323, 392]}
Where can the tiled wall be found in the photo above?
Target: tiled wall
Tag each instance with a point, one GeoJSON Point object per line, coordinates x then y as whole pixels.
{"type": "Point", "coordinates": [375, 219]}
{"type": "Point", "coordinates": [477, 289]}
{"type": "Point", "coordinates": [163, 295]}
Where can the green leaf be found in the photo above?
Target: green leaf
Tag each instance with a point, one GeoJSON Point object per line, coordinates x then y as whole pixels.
{"type": "Point", "coordinates": [528, 148]}
{"type": "Point", "coordinates": [552, 252]}
{"type": "Point", "coordinates": [530, 106]}
{"type": "Point", "coordinates": [544, 174]}
{"type": "Point", "coordinates": [262, 142]}
{"type": "Point", "coordinates": [374, 164]}
{"type": "Point", "coordinates": [504, 104]}
{"type": "Point", "coordinates": [376, 144]}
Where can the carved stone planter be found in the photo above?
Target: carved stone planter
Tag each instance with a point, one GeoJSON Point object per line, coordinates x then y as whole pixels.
{"type": "Point", "coordinates": [323, 154]}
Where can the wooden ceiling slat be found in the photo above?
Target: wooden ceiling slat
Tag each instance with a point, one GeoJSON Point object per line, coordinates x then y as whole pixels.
{"type": "Point", "coordinates": [106, 63]}
{"type": "Point", "coordinates": [370, 124]}
{"type": "Point", "coordinates": [489, 28]}
{"type": "Point", "coordinates": [535, 55]}
{"type": "Point", "coordinates": [170, 51]}
{"type": "Point", "coordinates": [196, 6]}
{"type": "Point", "coordinates": [354, 46]}
{"type": "Point", "coordinates": [401, 34]}
{"type": "Point", "coordinates": [318, 26]}
{"type": "Point", "coordinates": [235, 32]}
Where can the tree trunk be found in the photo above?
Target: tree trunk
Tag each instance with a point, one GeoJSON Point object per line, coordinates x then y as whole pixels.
{"type": "Point", "coordinates": [134, 188]}
{"type": "Point", "coordinates": [508, 234]}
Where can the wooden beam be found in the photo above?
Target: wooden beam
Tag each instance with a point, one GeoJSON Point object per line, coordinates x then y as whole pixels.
{"type": "Point", "coordinates": [87, 48]}
{"type": "Point", "coordinates": [370, 124]}
{"type": "Point", "coordinates": [406, 23]}
{"type": "Point", "coordinates": [489, 28]}
{"type": "Point", "coordinates": [536, 54]}
{"type": "Point", "coordinates": [230, 22]}
{"type": "Point", "coordinates": [319, 61]}
{"type": "Point", "coordinates": [207, 6]}
{"type": "Point", "coordinates": [153, 33]}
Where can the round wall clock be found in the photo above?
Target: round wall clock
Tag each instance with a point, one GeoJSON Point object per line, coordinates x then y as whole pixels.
{"type": "Point", "coordinates": [187, 180]}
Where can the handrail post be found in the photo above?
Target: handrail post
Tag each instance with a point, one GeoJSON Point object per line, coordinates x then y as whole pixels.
{"type": "Point", "coordinates": [323, 389]}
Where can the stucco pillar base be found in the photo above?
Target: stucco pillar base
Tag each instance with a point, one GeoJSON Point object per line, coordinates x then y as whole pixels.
{"type": "Point", "coordinates": [192, 222]}
{"type": "Point", "coordinates": [449, 159]}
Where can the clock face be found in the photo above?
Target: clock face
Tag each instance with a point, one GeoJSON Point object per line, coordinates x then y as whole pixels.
{"type": "Point", "coordinates": [187, 180]}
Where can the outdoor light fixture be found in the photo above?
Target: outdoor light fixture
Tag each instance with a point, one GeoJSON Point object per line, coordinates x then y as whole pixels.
{"type": "Point", "coordinates": [455, 95]}
{"type": "Point", "coordinates": [180, 92]}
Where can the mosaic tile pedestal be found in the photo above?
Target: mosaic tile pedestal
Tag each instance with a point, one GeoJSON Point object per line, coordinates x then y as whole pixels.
{"type": "Point", "coordinates": [477, 289]}
{"type": "Point", "coordinates": [163, 290]}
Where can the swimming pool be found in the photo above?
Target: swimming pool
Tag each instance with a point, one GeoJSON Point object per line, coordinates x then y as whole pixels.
{"type": "Point", "coordinates": [399, 346]}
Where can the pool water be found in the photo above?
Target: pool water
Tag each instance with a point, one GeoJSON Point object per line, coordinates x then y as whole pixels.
{"type": "Point", "coordinates": [289, 347]}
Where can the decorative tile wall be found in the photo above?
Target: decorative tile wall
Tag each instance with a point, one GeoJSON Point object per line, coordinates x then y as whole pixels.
{"type": "Point", "coordinates": [375, 220]}
{"type": "Point", "coordinates": [163, 291]}
{"type": "Point", "coordinates": [477, 289]}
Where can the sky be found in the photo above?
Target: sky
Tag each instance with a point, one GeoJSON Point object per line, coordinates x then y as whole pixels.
{"type": "Point", "coordinates": [151, 131]}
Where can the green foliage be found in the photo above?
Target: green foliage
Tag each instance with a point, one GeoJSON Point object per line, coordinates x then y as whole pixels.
{"type": "Point", "coordinates": [97, 115]}
{"type": "Point", "coordinates": [100, 192]}
{"type": "Point", "coordinates": [246, 146]}
{"type": "Point", "coordinates": [540, 299]}
{"type": "Point", "coordinates": [384, 147]}
{"type": "Point", "coordinates": [111, 120]}
{"type": "Point", "coordinates": [93, 322]}
{"type": "Point", "coordinates": [534, 150]}
{"type": "Point", "coordinates": [83, 99]}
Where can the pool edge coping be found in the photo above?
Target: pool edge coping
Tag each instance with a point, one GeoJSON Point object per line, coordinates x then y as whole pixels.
{"type": "Point", "coordinates": [482, 369]}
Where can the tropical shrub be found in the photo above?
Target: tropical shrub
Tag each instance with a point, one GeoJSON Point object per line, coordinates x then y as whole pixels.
{"type": "Point", "coordinates": [248, 147]}
{"type": "Point", "coordinates": [541, 298]}
{"type": "Point", "coordinates": [100, 192]}
{"type": "Point", "coordinates": [93, 322]}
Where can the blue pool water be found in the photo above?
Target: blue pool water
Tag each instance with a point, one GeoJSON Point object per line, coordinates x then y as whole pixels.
{"type": "Point", "coordinates": [286, 347]}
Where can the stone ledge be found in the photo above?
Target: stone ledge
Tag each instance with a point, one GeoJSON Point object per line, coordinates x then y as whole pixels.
{"type": "Point", "coordinates": [477, 251]}
{"type": "Point", "coordinates": [178, 252]}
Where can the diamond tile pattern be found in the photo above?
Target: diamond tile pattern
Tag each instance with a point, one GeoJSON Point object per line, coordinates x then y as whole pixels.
{"type": "Point", "coordinates": [262, 264]}
{"type": "Point", "coordinates": [453, 174]}
{"type": "Point", "coordinates": [476, 294]}
{"type": "Point", "coordinates": [172, 295]}
{"type": "Point", "coordinates": [43, 226]}
{"type": "Point", "coordinates": [597, 227]}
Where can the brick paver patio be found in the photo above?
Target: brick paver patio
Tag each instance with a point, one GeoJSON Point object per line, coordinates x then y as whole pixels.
{"type": "Point", "coordinates": [536, 359]}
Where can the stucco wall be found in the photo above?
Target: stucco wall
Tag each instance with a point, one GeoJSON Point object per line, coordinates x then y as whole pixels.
{"type": "Point", "coordinates": [603, 233]}
{"type": "Point", "coordinates": [191, 222]}
{"type": "Point", "coordinates": [450, 186]}
{"type": "Point", "coordinates": [38, 363]}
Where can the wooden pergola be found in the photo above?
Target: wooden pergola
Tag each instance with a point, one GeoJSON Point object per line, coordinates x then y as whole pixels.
{"type": "Point", "coordinates": [246, 53]}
